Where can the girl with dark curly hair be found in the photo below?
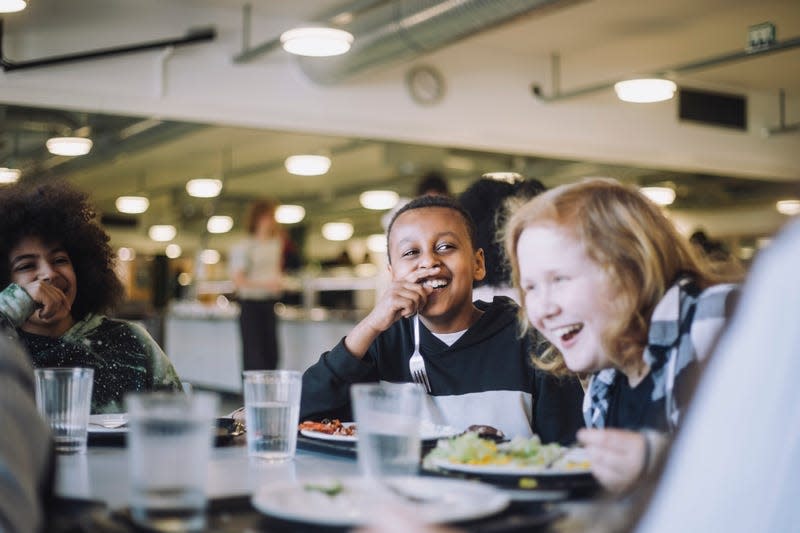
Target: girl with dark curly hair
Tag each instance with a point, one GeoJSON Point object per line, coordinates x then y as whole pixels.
{"type": "Point", "coordinates": [57, 269]}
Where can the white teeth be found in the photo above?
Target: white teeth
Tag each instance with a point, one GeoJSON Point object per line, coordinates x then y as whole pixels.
{"type": "Point", "coordinates": [435, 283]}
{"type": "Point", "coordinates": [566, 330]}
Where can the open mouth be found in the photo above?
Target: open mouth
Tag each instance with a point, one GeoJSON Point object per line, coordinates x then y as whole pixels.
{"type": "Point", "coordinates": [567, 333]}
{"type": "Point", "coordinates": [435, 283]}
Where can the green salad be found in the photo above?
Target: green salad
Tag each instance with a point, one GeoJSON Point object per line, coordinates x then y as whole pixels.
{"type": "Point", "coordinates": [469, 448]}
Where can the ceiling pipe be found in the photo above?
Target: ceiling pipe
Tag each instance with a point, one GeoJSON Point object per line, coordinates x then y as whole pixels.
{"type": "Point", "coordinates": [404, 29]}
{"type": "Point", "coordinates": [192, 36]}
{"type": "Point", "coordinates": [782, 127]}
{"type": "Point", "coordinates": [738, 55]}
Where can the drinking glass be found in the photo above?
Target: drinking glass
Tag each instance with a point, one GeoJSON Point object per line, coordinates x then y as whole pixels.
{"type": "Point", "coordinates": [64, 398]}
{"type": "Point", "coordinates": [272, 412]}
{"type": "Point", "coordinates": [169, 445]}
{"type": "Point", "coordinates": [387, 420]}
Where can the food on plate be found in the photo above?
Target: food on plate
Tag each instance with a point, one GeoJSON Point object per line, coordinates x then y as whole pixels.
{"type": "Point", "coordinates": [329, 489]}
{"type": "Point", "coordinates": [487, 432]}
{"type": "Point", "coordinates": [329, 427]}
{"type": "Point", "coordinates": [470, 449]}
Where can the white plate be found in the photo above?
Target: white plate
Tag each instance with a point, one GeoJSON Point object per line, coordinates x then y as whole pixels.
{"type": "Point", "coordinates": [450, 500]}
{"type": "Point", "coordinates": [565, 466]}
{"type": "Point", "coordinates": [427, 432]}
{"type": "Point", "coordinates": [96, 423]}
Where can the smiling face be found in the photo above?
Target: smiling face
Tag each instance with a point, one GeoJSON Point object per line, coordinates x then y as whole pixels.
{"type": "Point", "coordinates": [31, 260]}
{"type": "Point", "coordinates": [429, 237]}
{"type": "Point", "coordinates": [567, 296]}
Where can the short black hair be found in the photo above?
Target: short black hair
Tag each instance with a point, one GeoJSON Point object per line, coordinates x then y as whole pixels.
{"type": "Point", "coordinates": [437, 200]}
{"type": "Point", "coordinates": [58, 213]}
{"type": "Point", "coordinates": [433, 182]}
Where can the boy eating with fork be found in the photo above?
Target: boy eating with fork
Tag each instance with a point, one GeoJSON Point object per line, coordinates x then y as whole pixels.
{"type": "Point", "coordinates": [477, 365]}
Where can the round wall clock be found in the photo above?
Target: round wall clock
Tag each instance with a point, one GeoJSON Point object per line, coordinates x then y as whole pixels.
{"type": "Point", "coordinates": [425, 84]}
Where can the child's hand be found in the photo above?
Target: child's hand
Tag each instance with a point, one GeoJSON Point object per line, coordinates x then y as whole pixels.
{"type": "Point", "coordinates": [617, 456]}
{"type": "Point", "coordinates": [403, 298]}
{"type": "Point", "coordinates": [51, 302]}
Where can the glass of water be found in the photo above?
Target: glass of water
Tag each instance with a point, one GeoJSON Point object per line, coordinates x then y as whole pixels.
{"type": "Point", "coordinates": [64, 396]}
{"type": "Point", "coordinates": [272, 412]}
{"type": "Point", "coordinates": [387, 421]}
{"type": "Point", "coordinates": [169, 446]}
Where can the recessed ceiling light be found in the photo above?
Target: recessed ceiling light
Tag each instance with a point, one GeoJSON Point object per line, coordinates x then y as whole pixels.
{"type": "Point", "coordinates": [69, 146]}
{"type": "Point", "coordinates": [290, 214]}
{"type": "Point", "coordinates": [219, 224]}
{"type": "Point", "coordinates": [210, 256]}
{"type": "Point", "coordinates": [132, 204]}
{"type": "Point", "coordinates": [126, 254]}
{"type": "Point", "coordinates": [316, 42]}
{"type": "Point", "coordinates": [307, 165]}
{"type": "Point", "coordinates": [12, 6]}
{"type": "Point", "coordinates": [659, 195]}
{"type": "Point", "coordinates": [9, 175]}
{"type": "Point", "coordinates": [337, 231]}
{"type": "Point", "coordinates": [173, 251]}
{"type": "Point", "coordinates": [788, 207]}
{"type": "Point", "coordinates": [378, 200]}
{"type": "Point", "coordinates": [204, 187]}
{"type": "Point", "coordinates": [508, 177]}
{"type": "Point", "coordinates": [162, 232]}
{"type": "Point", "coordinates": [645, 90]}
{"type": "Point", "coordinates": [376, 243]}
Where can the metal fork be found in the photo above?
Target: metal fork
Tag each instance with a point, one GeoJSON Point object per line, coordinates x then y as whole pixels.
{"type": "Point", "coordinates": [416, 364]}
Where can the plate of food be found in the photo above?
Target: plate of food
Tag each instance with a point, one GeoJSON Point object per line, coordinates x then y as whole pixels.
{"type": "Point", "coordinates": [347, 502]}
{"type": "Point", "coordinates": [335, 430]}
{"type": "Point", "coordinates": [522, 462]}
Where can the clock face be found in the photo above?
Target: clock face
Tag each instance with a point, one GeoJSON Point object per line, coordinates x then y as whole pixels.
{"type": "Point", "coordinates": [425, 84]}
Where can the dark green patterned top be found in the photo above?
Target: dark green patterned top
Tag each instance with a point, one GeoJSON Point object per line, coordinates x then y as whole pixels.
{"type": "Point", "coordinates": [123, 355]}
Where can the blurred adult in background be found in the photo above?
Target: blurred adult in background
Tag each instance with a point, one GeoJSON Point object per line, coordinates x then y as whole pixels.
{"type": "Point", "coordinates": [433, 183]}
{"type": "Point", "coordinates": [620, 295]}
{"type": "Point", "coordinates": [58, 278]}
{"type": "Point", "coordinates": [489, 202]}
{"type": "Point", "coordinates": [26, 461]}
{"type": "Point", "coordinates": [257, 267]}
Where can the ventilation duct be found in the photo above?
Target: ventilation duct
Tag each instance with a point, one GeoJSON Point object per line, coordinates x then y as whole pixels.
{"type": "Point", "coordinates": [403, 29]}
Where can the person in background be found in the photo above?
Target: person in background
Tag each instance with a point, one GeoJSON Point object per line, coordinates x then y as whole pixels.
{"type": "Point", "coordinates": [620, 295]}
{"type": "Point", "coordinates": [433, 183]}
{"type": "Point", "coordinates": [257, 267]}
{"type": "Point", "coordinates": [58, 278]}
{"type": "Point", "coordinates": [477, 364]}
{"type": "Point", "coordinates": [489, 201]}
{"type": "Point", "coordinates": [26, 459]}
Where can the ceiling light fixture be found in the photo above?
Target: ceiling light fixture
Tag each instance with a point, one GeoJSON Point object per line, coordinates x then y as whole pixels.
{"type": "Point", "coordinates": [507, 177]}
{"type": "Point", "coordinates": [337, 231]}
{"type": "Point", "coordinates": [290, 214]}
{"type": "Point", "coordinates": [12, 6]}
{"type": "Point", "coordinates": [204, 187]}
{"type": "Point", "coordinates": [659, 195]}
{"type": "Point", "coordinates": [788, 207]}
{"type": "Point", "coordinates": [126, 254]}
{"type": "Point", "coordinates": [69, 146]}
{"type": "Point", "coordinates": [378, 200]}
{"type": "Point", "coordinates": [210, 256]}
{"type": "Point", "coordinates": [316, 42]}
{"type": "Point", "coordinates": [162, 232]}
{"type": "Point", "coordinates": [9, 175]}
{"type": "Point", "coordinates": [219, 224]}
{"type": "Point", "coordinates": [132, 204]}
{"type": "Point", "coordinates": [645, 90]}
{"type": "Point", "coordinates": [307, 165]}
{"type": "Point", "coordinates": [376, 243]}
{"type": "Point", "coordinates": [173, 251]}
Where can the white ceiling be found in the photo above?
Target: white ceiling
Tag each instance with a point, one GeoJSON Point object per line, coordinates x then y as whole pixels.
{"type": "Point", "coordinates": [597, 41]}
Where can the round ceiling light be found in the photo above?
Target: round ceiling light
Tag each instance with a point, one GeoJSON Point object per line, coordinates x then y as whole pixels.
{"type": "Point", "coordinates": [132, 204]}
{"type": "Point", "coordinates": [219, 224]}
{"type": "Point", "coordinates": [788, 207]}
{"type": "Point", "coordinates": [378, 200]}
{"type": "Point", "coordinates": [645, 91]}
{"type": "Point", "coordinates": [126, 254]}
{"type": "Point", "coordinates": [173, 251]}
{"type": "Point", "coordinates": [12, 6]}
{"type": "Point", "coordinates": [508, 177]}
{"type": "Point", "coordinates": [210, 256]}
{"type": "Point", "coordinates": [659, 195]}
{"type": "Point", "coordinates": [307, 165]}
{"type": "Point", "coordinates": [316, 42]}
{"type": "Point", "coordinates": [337, 231]}
{"type": "Point", "coordinates": [69, 146]}
{"type": "Point", "coordinates": [290, 214]}
{"type": "Point", "coordinates": [376, 243]}
{"type": "Point", "coordinates": [9, 175]}
{"type": "Point", "coordinates": [204, 187]}
{"type": "Point", "coordinates": [162, 232]}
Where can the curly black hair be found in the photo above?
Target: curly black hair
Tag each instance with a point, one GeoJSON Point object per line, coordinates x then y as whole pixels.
{"type": "Point", "coordinates": [59, 213]}
{"type": "Point", "coordinates": [487, 201]}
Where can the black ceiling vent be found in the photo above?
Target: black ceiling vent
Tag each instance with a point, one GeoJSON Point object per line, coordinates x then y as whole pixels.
{"type": "Point", "coordinates": [716, 109]}
{"type": "Point", "coordinates": [118, 221]}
